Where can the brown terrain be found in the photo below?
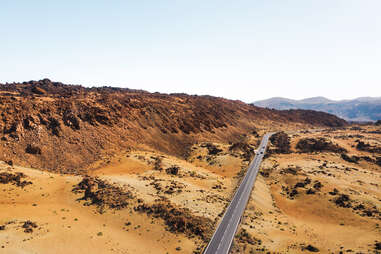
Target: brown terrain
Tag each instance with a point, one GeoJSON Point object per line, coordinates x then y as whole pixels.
{"type": "Point", "coordinates": [318, 192]}
{"type": "Point", "coordinates": [109, 170]}
{"type": "Point", "coordinates": [66, 128]}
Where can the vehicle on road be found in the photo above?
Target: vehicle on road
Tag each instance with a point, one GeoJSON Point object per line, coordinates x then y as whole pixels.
{"type": "Point", "coordinates": [223, 237]}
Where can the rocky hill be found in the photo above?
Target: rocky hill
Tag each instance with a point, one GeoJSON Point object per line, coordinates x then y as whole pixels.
{"type": "Point", "coordinates": [360, 109]}
{"type": "Point", "coordinates": [66, 128]}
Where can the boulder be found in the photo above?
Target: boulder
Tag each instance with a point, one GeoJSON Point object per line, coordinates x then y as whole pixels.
{"type": "Point", "coordinates": [32, 149]}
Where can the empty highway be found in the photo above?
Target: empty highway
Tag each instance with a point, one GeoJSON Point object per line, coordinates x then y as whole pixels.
{"type": "Point", "coordinates": [222, 239]}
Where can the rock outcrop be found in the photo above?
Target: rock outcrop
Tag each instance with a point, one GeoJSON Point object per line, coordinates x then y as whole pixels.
{"type": "Point", "coordinates": [281, 141]}
{"type": "Point", "coordinates": [75, 126]}
{"type": "Point", "coordinates": [309, 145]}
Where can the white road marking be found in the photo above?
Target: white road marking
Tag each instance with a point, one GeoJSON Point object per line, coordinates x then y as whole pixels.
{"type": "Point", "coordinates": [243, 191]}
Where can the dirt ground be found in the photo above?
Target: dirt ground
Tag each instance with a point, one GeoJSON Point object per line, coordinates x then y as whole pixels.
{"type": "Point", "coordinates": [312, 218]}
{"type": "Point", "coordinates": [65, 225]}
{"type": "Point", "coordinates": [298, 205]}
{"type": "Point", "coordinates": [203, 185]}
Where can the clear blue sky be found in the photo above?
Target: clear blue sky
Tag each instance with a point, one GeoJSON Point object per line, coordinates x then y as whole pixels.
{"type": "Point", "coordinates": [241, 49]}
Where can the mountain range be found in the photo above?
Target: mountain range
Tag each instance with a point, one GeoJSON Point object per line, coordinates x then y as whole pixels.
{"type": "Point", "coordinates": [361, 109]}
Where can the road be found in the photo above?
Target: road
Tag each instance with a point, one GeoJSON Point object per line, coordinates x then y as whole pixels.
{"type": "Point", "coordinates": [222, 239]}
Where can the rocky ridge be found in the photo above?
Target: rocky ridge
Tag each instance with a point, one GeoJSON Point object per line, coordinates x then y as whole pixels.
{"type": "Point", "coordinates": [66, 128]}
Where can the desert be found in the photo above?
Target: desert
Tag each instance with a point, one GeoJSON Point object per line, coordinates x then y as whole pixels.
{"type": "Point", "coordinates": [88, 170]}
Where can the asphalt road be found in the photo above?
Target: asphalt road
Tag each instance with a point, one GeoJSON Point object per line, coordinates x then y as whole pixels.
{"type": "Point", "coordinates": [222, 239]}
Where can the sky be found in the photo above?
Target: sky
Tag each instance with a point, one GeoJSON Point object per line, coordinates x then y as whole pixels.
{"type": "Point", "coordinates": [242, 49]}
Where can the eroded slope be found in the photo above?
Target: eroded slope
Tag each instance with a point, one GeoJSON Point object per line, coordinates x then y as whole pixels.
{"type": "Point", "coordinates": [49, 125]}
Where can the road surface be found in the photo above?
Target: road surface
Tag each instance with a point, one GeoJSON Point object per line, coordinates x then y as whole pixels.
{"type": "Point", "coordinates": [223, 237]}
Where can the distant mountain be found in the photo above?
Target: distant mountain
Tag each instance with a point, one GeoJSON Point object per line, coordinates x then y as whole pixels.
{"type": "Point", "coordinates": [360, 109]}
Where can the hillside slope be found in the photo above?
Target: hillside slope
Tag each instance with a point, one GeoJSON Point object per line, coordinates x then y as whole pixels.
{"type": "Point", "coordinates": [360, 109]}
{"type": "Point", "coordinates": [65, 128]}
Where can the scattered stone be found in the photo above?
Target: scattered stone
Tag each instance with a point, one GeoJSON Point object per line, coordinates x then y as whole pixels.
{"type": "Point", "coordinates": [318, 185]}
{"type": "Point", "coordinates": [11, 128]}
{"type": "Point", "coordinates": [14, 178]}
{"type": "Point", "coordinates": [378, 161]}
{"type": "Point", "coordinates": [334, 192]}
{"type": "Point", "coordinates": [311, 248]}
{"type": "Point", "coordinates": [306, 181]}
{"type": "Point", "coordinates": [309, 145]}
{"type": "Point", "coordinates": [351, 159]}
{"type": "Point", "coordinates": [293, 193]}
{"type": "Point", "coordinates": [291, 170]}
{"type": "Point", "coordinates": [212, 149]}
{"type": "Point", "coordinates": [246, 238]}
{"type": "Point", "coordinates": [102, 194]}
{"type": "Point", "coordinates": [55, 126]}
{"type": "Point", "coordinates": [299, 185]}
{"type": "Point", "coordinates": [31, 149]}
{"type": "Point", "coordinates": [179, 219]}
{"type": "Point", "coordinates": [343, 201]}
{"type": "Point", "coordinates": [38, 90]}
{"type": "Point", "coordinates": [247, 150]}
{"type": "Point", "coordinates": [28, 123]}
{"type": "Point", "coordinates": [70, 120]}
{"type": "Point", "coordinates": [29, 226]}
{"type": "Point", "coordinates": [368, 159]}
{"type": "Point", "coordinates": [174, 170]}
{"type": "Point", "coordinates": [157, 164]}
{"type": "Point", "coordinates": [282, 142]}
{"type": "Point", "coordinates": [361, 146]}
